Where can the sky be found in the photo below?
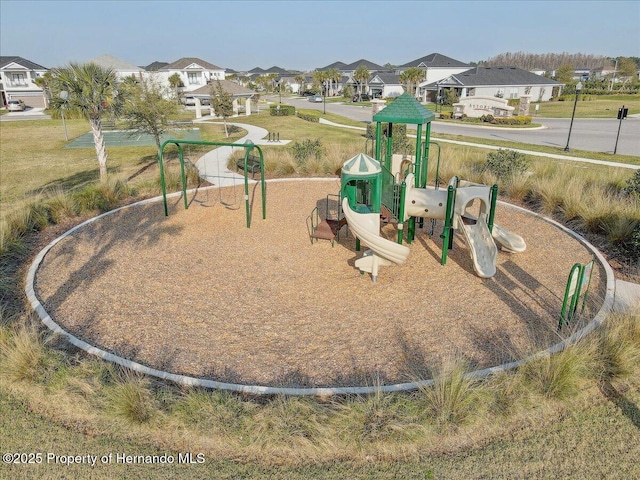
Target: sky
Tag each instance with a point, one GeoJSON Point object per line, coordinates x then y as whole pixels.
{"type": "Point", "coordinates": [304, 35]}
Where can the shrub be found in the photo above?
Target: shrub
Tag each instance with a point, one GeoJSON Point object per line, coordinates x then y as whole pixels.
{"type": "Point", "coordinates": [282, 110]}
{"type": "Point", "coordinates": [633, 186]}
{"type": "Point", "coordinates": [445, 115]}
{"type": "Point", "coordinates": [506, 163]}
{"type": "Point", "coordinates": [303, 151]}
{"type": "Point", "coordinates": [131, 399]}
{"type": "Point", "coordinates": [309, 115]}
{"type": "Point", "coordinates": [102, 196]}
{"type": "Point", "coordinates": [487, 118]}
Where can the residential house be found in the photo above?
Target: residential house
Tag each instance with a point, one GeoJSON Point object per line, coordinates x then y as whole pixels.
{"type": "Point", "coordinates": [17, 81]}
{"type": "Point", "coordinates": [122, 68]}
{"type": "Point", "coordinates": [194, 73]}
{"type": "Point", "coordinates": [436, 67]}
{"type": "Point", "coordinates": [155, 66]}
{"type": "Point", "coordinates": [501, 82]}
{"type": "Point", "coordinates": [384, 85]}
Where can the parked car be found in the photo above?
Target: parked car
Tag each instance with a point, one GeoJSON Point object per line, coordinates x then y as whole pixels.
{"type": "Point", "coordinates": [308, 93]}
{"type": "Point", "coordinates": [315, 99]}
{"type": "Point", "coordinates": [365, 97]}
{"type": "Point", "coordinates": [15, 106]}
{"type": "Point", "coordinates": [191, 102]}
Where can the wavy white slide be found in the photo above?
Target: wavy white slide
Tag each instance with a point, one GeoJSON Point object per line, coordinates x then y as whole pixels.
{"type": "Point", "coordinates": [508, 241]}
{"type": "Point", "coordinates": [383, 252]}
{"type": "Point", "coordinates": [484, 251]}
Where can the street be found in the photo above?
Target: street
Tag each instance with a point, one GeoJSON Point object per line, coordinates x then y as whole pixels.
{"type": "Point", "coordinates": [590, 134]}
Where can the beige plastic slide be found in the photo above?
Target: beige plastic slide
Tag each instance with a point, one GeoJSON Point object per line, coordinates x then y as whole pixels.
{"type": "Point", "coordinates": [484, 251]}
{"type": "Point", "coordinates": [508, 241]}
{"type": "Point", "coordinates": [366, 226]}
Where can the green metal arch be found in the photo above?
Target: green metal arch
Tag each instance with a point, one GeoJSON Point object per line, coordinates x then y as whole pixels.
{"type": "Point", "coordinates": [248, 146]}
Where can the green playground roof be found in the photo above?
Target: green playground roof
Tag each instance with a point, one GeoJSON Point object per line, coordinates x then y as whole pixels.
{"type": "Point", "coordinates": [361, 164]}
{"type": "Point", "coordinates": [404, 109]}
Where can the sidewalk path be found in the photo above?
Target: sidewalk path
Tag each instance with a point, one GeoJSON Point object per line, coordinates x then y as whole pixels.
{"type": "Point", "coordinates": [213, 165]}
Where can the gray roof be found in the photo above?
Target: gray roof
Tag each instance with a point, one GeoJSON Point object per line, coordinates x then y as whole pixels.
{"type": "Point", "coordinates": [155, 66]}
{"type": "Point", "coordinates": [4, 61]}
{"type": "Point", "coordinates": [115, 63]}
{"type": "Point", "coordinates": [489, 76]}
{"type": "Point", "coordinates": [338, 65]}
{"type": "Point", "coordinates": [369, 65]}
{"type": "Point", "coordinates": [186, 61]}
{"type": "Point", "coordinates": [387, 78]}
{"type": "Point", "coordinates": [227, 85]}
{"type": "Point", "coordinates": [435, 60]}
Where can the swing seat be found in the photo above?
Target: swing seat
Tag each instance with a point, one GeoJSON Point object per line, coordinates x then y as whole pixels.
{"type": "Point", "coordinates": [253, 164]}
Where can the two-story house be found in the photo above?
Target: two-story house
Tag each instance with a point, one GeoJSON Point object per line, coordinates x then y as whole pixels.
{"type": "Point", "coordinates": [17, 81]}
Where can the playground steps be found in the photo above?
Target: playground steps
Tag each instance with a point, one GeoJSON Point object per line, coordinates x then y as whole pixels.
{"type": "Point", "coordinates": [328, 229]}
{"type": "Point", "coordinates": [386, 216]}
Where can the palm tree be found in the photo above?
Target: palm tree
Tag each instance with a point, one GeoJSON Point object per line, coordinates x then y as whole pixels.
{"type": "Point", "coordinates": [175, 82]}
{"type": "Point", "coordinates": [334, 75]}
{"type": "Point", "coordinates": [411, 77]}
{"type": "Point", "coordinates": [300, 80]}
{"type": "Point", "coordinates": [320, 78]}
{"type": "Point", "coordinates": [361, 75]}
{"type": "Point", "coordinates": [91, 91]}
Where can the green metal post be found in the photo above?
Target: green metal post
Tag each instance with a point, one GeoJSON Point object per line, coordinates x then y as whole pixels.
{"type": "Point", "coordinates": [378, 140]}
{"type": "Point", "coordinates": [426, 155]}
{"type": "Point", "coordinates": [437, 180]}
{"type": "Point", "coordinates": [411, 229]}
{"type": "Point", "coordinates": [262, 184]}
{"type": "Point", "coordinates": [446, 232]}
{"type": "Point", "coordinates": [403, 196]}
{"type": "Point", "coordinates": [492, 210]}
{"type": "Point", "coordinates": [246, 187]}
{"type": "Point", "coordinates": [419, 172]}
{"type": "Point", "coordinates": [162, 183]}
{"type": "Point", "coordinates": [183, 176]}
{"type": "Point", "coordinates": [387, 160]}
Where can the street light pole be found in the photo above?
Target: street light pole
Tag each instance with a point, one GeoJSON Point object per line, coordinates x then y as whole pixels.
{"type": "Point", "coordinates": [64, 95]}
{"type": "Point", "coordinates": [575, 103]}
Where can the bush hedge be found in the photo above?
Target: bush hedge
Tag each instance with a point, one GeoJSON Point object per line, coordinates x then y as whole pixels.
{"type": "Point", "coordinates": [283, 111]}
{"type": "Point", "coordinates": [309, 115]}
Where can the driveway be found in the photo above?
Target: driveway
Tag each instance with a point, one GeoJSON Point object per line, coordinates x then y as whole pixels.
{"type": "Point", "coordinates": [28, 114]}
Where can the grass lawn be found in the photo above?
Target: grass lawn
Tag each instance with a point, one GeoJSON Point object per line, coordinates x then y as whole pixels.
{"type": "Point", "coordinates": [32, 160]}
{"type": "Point", "coordinates": [590, 106]}
{"type": "Point", "coordinates": [600, 440]}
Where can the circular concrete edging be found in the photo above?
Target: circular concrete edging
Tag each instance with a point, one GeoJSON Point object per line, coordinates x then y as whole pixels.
{"type": "Point", "coordinates": [598, 319]}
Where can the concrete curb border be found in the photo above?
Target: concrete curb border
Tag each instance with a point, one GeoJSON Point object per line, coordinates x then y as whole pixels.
{"type": "Point", "coordinates": [37, 306]}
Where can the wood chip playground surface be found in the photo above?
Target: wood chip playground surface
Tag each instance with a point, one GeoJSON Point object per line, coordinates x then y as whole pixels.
{"type": "Point", "coordinates": [199, 294]}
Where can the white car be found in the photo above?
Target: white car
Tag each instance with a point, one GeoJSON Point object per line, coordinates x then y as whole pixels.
{"type": "Point", "coordinates": [15, 105]}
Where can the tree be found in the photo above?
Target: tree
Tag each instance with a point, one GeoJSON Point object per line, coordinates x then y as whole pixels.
{"type": "Point", "coordinates": [44, 82]}
{"type": "Point", "coordinates": [333, 75]}
{"type": "Point", "coordinates": [148, 110]}
{"type": "Point", "coordinates": [361, 75]}
{"type": "Point", "coordinates": [222, 103]}
{"type": "Point", "coordinates": [319, 80]}
{"type": "Point", "coordinates": [411, 77]}
{"type": "Point", "coordinates": [565, 73]}
{"type": "Point", "coordinates": [92, 91]}
{"type": "Point", "coordinates": [300, 81]}
{"type": "Point", "coordinates": [627, 69]}
{"type": "Point", "coordinates": [175, 82]}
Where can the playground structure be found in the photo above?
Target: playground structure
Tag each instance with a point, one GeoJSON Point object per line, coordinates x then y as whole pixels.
{"type": "Point", "coordinates": [394, 189]}
{"type": "Point", "coordinates": [249, 163]}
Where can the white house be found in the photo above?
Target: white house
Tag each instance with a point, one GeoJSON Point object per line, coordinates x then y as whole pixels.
{"type": "Point", "coordinates": [501, 82]}
{"type": "Point", "coordinates": [385, 84]}
{"type": "Point", "coordinates": [194, 73]}
{"type": "Point", "coordinates": [17, 81]}
{"type": "Point", "coordinates": [436, 67]}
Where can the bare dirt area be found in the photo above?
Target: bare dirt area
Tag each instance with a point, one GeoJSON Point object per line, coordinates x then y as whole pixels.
{"type": "Point", "coordinates": [197, 293]}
